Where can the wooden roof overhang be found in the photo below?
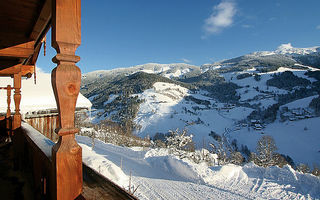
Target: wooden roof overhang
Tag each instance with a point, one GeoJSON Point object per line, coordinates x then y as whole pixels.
{"type": "Point", "coordinates": [23, 26]}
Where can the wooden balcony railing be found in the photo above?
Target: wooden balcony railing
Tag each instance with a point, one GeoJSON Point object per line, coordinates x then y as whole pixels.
{"type": "Point", "coordinates": [33, 152]}
{"type": "Point", "coordinates": [45, 124]}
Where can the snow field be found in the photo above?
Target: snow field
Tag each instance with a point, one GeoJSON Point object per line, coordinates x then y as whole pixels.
{"type": "Point", "coordinates": [159, 175]}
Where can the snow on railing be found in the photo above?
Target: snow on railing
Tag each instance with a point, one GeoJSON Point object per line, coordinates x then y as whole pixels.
{"type": "Point", "coordinates": [44, 144]}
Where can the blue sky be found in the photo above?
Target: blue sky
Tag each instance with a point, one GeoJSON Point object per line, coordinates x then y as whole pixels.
{"type": "Point", "coordinates": [123, 33]}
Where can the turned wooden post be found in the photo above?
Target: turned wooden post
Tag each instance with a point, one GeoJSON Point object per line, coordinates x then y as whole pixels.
{"type": "Point", "coordinates": [17, 100]}
{"type": "Point", "coordinates": [8, 100]}
{"type": "Point", "coordinates": [8, 110]}
{"type": "Point", "coordinates": [66, 78]}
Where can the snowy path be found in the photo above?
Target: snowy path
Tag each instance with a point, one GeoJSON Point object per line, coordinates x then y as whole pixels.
{"type": "Point", "coordinates": [161, 176]}
{"type": "Point", "coordinates": [168, 189]}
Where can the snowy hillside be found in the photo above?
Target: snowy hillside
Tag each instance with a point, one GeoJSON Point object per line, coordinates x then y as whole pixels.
{"type": "Point", "coordinates": [168, 106]}
{"type": "Point", "coordinates": [158, 175]}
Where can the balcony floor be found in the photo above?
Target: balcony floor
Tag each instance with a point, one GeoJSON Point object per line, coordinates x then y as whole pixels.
{"type": "Point", "coordinates": [14, 184]}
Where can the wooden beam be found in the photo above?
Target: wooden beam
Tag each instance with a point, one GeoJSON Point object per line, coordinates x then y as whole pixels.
{"type": "Point", "coordinates": [24, 50]}
{"type": "Point", "coordinates": [10, 70]}
{"type": "Point", "coordinates": [42, 22]}
{"type": "Point", "coordinates": [25, 70]}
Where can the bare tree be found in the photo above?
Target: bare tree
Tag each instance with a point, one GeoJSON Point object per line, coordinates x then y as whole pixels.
{"type": "Point", "coordinates": [266, 148]}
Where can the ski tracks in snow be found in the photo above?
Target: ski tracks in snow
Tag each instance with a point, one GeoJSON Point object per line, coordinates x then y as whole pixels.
{"type": "Point", "coordinates": [169, 189]}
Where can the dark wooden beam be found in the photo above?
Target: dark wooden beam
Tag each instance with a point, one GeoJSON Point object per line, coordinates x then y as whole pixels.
{"type": "Point", "coordinates": [24, 50]}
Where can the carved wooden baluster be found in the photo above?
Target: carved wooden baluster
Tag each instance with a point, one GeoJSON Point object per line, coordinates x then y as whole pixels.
{"type": "Point", "coordinates": [17, 100]}
{"type": "Point", "coordinates": [8, 100]}
{"type": "Point", "coordinates": [8, 109]}
{"type": "Point", "coordinates": [66, 78]}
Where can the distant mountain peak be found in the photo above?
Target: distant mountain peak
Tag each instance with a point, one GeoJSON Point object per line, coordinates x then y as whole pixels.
{"type": "Point", "coordinates": [289, 49]}
{"type": "Point", "coordinates": [287, 46]}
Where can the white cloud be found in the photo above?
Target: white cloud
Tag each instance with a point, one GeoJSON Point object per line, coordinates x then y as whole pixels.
{"type": "Point", "coordinates": [186, 60]}
{"type": "Point", "coordinates": [318, 27]}
{"type": "Point", "coordinates": [220, 18]}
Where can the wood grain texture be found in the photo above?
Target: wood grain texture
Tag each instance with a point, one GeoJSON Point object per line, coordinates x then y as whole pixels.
{"type": "Point", "coordinates": [24, 70]}
{"type": "Point", "coordinates": [23, 50]}
{"type": "Point", "coordinates": [8, 100]}
{"type": "Point", "coordinates": [66, 80]}
{"type": "Point", "coordinates": [66, 25]}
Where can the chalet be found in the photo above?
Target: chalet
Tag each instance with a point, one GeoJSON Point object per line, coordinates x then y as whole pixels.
{"type": "Point", "coordinates": [50, 170]}
{"type": "Point", "coordinates": [258, 127]}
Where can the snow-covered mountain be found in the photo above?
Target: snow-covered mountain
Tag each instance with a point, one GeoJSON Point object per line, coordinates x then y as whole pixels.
{"type": "Point", "coordinates": [166, 70]}
{"type": "Point", "coordinates": [288, 49]}
{"type": "Point", "coordinates": [285, 55]}
{"type": "Point", "coordinates": [241, 98]}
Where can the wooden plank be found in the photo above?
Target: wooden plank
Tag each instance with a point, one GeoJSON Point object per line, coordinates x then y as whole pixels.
{"type": "Point", "coordinates": [24, 50]}
{"type": "Point", "coordinates": [10, 38]}
{"type": "Point", "coordinates": [18, 8]}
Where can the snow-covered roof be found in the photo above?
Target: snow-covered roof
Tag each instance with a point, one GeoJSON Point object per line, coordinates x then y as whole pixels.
{"type": "Point", "coordinates": [35, 97]}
